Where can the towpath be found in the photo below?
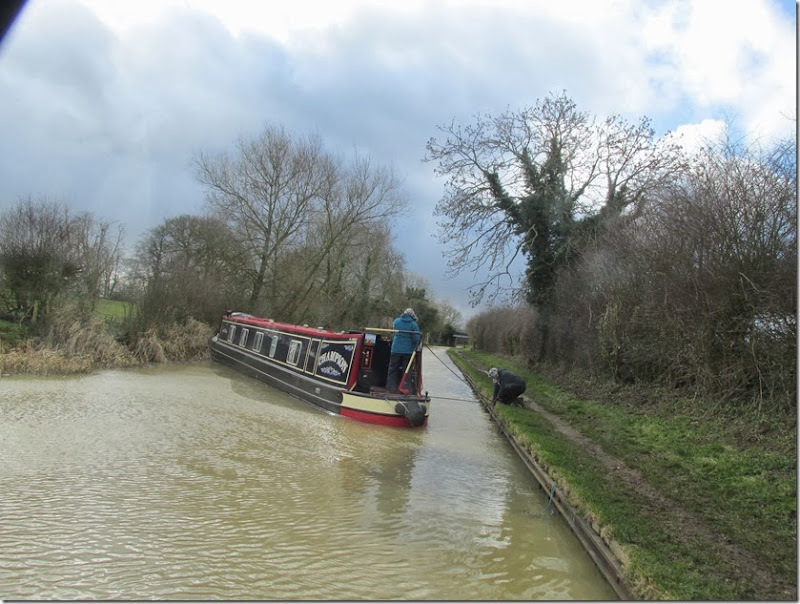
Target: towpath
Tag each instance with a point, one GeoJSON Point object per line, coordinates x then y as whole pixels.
{"type": "Point", "coordinates": [681, 524]}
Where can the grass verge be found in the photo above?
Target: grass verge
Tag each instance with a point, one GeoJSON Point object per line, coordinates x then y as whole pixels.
{"type": "Point", "coordinates": [724, 523]}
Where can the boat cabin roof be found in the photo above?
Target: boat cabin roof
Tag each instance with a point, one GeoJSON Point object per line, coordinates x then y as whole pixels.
{"type": "Point", "coordinates": [246, 319]}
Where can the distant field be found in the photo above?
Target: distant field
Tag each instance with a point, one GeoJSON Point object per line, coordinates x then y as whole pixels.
{"type": "Point", "coordinates": [114, 309]}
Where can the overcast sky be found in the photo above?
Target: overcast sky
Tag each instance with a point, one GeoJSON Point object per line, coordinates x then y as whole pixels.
{"type": "Point", "coordinates": [104, 103]}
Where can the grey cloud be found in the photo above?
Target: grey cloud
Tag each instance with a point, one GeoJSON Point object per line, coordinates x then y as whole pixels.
{"type": "Point", "coordinates": [112, 121]}
{"type": "Point", "coordinates": [115, 121]}
{"type": "Point", "coordinates": [65, 45]}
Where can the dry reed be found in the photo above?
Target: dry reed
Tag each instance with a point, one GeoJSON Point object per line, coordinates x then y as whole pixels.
{"type": "Point", "coordinates": [75, 345]}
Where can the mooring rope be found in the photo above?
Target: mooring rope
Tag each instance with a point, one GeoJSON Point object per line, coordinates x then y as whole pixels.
{"type": "Point", "coordinates": [460, 400]}
{"type": "Point", "coordinates": [549, 505]}
{"type": "Point", "coordinates": [550, 502]}
{"type": "Point", "coordinates": [459, 376]}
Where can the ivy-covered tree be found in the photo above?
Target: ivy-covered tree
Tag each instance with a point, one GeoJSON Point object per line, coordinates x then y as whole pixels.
{"type": "Point", "coordinates": [539, 183]}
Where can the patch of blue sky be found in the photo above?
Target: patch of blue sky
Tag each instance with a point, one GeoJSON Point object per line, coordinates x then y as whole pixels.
{"type": "Point", "coordinates": [787, 7]}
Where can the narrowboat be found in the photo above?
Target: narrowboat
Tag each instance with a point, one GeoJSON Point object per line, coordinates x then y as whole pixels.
{"type": "Point", "coordinates": [341, 372]}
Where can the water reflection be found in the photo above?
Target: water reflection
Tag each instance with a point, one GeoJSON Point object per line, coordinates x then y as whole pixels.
{"type": "Point", "coordinates": [378, 482]}
{"type": "Point", "coordinates": [194, 482]}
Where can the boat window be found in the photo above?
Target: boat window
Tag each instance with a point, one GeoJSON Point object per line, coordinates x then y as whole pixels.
{"type": "Point", "coordinates": [243, 337]}
{"type": "Point", "coordinates": [312, 356]}
{"type": "Point", "coordinates": [231, 333]}
{"type": "Point", "coordinates": [273, 347]}
{"type": "Point", "coordinates": [258, 342]}
{"type": "Point", "coordinates": [294, 352]}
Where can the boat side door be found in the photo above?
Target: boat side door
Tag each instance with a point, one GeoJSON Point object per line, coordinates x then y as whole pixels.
{"type": "Point", "coordinates": [375, 355]}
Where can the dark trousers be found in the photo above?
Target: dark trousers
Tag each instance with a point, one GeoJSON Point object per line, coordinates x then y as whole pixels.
{"type": "Point", "coordinates": [508, 394]}
{"type": "Point", "coordinates": [397, 365]}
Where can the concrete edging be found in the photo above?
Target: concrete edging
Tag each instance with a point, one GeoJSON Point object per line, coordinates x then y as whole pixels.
{"type": "Point", "coordinates": [602, 555]}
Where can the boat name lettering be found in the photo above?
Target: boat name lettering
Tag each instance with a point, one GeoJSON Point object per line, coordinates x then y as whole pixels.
{"type": "Point", "coordinates": [335, 358]}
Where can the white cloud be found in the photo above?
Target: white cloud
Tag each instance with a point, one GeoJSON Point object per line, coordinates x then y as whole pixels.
{"type": "Point", "coordinates": [735, 58]}
{"type": "Point", "coordinates": [280, 20]}
{"type": "Point", "coordinates": [105, 102]}
{"type": "Point", "coordinates": [693, 137]}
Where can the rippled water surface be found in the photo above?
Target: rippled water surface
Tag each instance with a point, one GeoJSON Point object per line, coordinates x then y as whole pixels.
{"type": "Point", "coordinates": [195, 483]}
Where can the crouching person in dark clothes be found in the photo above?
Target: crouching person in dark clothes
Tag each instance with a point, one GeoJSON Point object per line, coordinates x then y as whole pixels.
{"type": "Point", "coordinates": [507, 387]}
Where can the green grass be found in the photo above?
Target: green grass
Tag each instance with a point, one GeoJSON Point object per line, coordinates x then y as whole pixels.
{"type": "Point", "coordinates": [114, 309]}
{"type": "Point", "coordinates": [746, 492]}
{"type": "Point", "coordinates": [12, 334]}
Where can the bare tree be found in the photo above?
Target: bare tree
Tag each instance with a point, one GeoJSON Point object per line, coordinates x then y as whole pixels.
{"type": "Point", "coordinates": [266, 190]}
{"type": "Point", "coordinates": [360, 282]}
{"type": "Point", "coordinates": [351, 219]}
{"type": "Point", "coordinates": [37, 262]}
{"type": "Point", "coordinates": [536, 183]}
{"type": "Point", "coordinates": [98, 250]}
{"type": "Point", "coordinates": [299, 212]}
{"type": "Point", "coordinates": [46, 253]}
{"type": "Point", "coordinates": [187, 267]}
{"type": "Point", "coordinates": [449, 314]}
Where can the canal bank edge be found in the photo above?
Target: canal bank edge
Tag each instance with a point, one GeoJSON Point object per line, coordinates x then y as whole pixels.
{"type": "Point", "coordinates": [601, 551]}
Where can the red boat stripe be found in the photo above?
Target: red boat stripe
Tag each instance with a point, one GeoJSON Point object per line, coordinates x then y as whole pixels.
{"type": "Point", "coordinates": [374, 418]}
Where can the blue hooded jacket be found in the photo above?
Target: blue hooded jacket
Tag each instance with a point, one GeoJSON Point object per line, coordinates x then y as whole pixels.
{"type": "Point", "coordinates": [405, 343]}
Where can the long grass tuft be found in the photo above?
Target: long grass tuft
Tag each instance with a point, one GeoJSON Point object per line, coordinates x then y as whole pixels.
{"type": "Point", "coordinates": [147, 347]}
{"type": "Point", "coordinates": [187, 341]}
{"type": "Point", "coordinates": [38, 359]}
{"type": "Point", "coordinates": [73, 343]}
{"type": "Point", "coordinates": [86, 337]}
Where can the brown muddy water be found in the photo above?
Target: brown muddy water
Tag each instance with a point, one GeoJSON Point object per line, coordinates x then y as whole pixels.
{"type": "Point", "coordinates": [197, 483]}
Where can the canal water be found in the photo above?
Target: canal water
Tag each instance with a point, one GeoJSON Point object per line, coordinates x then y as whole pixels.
{"type": "Point", "coordinates": [197, 483]}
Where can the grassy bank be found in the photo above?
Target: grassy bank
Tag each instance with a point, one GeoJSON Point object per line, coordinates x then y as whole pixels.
{"type": "Point", "coordinates": [700, 501]}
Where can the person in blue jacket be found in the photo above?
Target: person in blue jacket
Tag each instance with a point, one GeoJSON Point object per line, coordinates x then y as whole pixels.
{"type": "Point", "coordinates": [404, 343]}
